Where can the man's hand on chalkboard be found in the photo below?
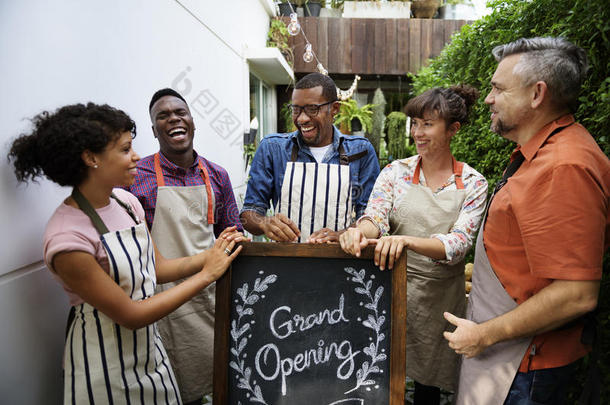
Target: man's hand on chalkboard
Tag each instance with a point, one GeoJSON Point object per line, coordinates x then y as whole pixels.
{"type": "Point", "coordinates": [353, 241]}
{"type": "Point", "coordinates": [389, 249]}
{"type": "Point", "coordinates": [280, 228]}
{"type": "Point", "coordinates": [324, 235]}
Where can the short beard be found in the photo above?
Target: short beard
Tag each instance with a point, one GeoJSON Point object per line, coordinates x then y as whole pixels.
{"type": "Point", "coordinates": [502, 128]}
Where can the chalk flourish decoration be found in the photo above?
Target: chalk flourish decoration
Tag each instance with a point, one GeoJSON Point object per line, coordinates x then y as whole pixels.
{"type": "Point", "coordinates": [374, 322]}
{"type": "Point", "coordinates": [249, 298]}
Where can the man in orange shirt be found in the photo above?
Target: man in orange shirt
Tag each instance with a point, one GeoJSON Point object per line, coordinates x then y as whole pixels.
{"type": "Point", "coordinates": [538, 260]}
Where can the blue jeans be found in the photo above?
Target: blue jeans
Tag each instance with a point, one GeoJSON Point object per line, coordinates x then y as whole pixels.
{"type": "Point", "coordinates": [541, 387]}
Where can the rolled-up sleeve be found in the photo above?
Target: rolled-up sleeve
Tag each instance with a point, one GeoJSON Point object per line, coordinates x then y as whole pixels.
{"type": "Point", "coordinates": [381, 200]}
{"type": "Point", "coordinates": [461, 236]}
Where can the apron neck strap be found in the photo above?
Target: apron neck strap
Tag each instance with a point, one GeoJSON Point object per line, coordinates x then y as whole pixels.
{"type": "Point", "coordinates": [206, 179]}
{"type": "Point", "coordinates": [158, 171]}
{"type": "Point", "coordinates": [457, 172]}
{"type": "Point", "coordinates": [86, 207]}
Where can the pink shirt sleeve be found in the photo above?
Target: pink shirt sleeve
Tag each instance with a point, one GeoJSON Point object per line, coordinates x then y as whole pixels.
{"type": "Point", "coordinates": [69, 230]}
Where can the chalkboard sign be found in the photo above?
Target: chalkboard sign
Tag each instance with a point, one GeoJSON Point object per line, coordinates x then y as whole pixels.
{"type": "Point", "coordinates": [309, 324]}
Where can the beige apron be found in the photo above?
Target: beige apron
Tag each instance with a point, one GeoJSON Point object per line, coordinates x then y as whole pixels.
{"type": "Point", "coordinates": [183, 226]}
{"type": "Point", "coordinates": [432, 288]}
{"type": "Point", "coordinates": [317, 195]}
{"type": "Point", "coordinates": [486, 378]}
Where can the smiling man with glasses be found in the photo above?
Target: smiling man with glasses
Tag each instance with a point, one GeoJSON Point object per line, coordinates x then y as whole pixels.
{"type": "Point", "coordinates": [317, 179]}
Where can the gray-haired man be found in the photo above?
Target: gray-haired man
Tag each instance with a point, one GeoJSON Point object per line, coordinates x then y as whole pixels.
{"type": "Point", "coordinates": [538, 260]}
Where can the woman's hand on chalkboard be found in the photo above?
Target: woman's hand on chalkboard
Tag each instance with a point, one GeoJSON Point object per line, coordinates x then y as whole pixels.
{"type": "Point", "coordinates": [389, 249]}
{"type": "Point", "coordinates": [280, 228]}
{"type": "Point", "coordinates": [232, 234]}
{"type": "Point", "coordinates": [324, 235]}
{"type": "Point", "coordinates": [220, 257]}
{"type": "Point", "coordinates": [353, 241]}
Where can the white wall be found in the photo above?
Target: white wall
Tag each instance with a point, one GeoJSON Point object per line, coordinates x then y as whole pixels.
{"type": "Point", "coordinates": [115, 52]}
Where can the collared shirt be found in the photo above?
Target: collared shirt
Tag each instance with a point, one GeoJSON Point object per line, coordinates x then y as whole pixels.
{"type": "Point", "coordinates": [274, 151]}
{"type": "Point", "coordinates": [397, 178]}
{"type": "Point", "coordinates": [145, 188]}
{"type": "Point", "coordinates": [551, 222]}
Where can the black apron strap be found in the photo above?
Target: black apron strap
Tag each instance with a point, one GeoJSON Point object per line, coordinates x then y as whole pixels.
{"type": "Point", "coordinates": [295, 150]}
{"type": "Point", "coordinates": [127, 208]}
{"type": "Point", "coordinates": [86, 207]}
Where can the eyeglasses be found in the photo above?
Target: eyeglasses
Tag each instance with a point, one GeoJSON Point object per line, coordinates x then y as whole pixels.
{"type": "Point", "coordinates": [310, 109]}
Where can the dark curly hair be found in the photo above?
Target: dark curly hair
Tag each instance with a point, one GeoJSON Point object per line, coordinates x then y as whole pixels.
{"type": "Point", "coordinates": [55, 146]}
{"type": "Point", "coordinates": [452, 104]}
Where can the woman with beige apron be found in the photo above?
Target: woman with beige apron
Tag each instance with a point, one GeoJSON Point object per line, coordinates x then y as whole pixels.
{"type": "Point", "coordinates": [432, 205]}
{"type": "Point", "coordinates": [317, 195]}
{"type": "Point", "coordinates": [183, 226]}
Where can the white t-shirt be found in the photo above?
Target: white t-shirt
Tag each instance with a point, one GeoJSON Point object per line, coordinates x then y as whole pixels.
{"type": "Point", "coordinates": [318, 152]}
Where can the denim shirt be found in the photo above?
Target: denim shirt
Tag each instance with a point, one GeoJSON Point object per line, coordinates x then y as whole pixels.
{"type": "Point", "coordinates": [274, 151]}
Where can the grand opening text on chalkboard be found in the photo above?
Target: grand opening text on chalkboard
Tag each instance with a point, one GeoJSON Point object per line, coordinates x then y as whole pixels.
{"type": "Point", "coordinates": [307, 324]}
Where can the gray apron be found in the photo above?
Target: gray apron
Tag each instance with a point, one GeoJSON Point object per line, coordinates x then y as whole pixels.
{"type": "Point", "coordinates": [317, 195]}
{"type": "Point", "coordinates": [486, 378]}
{"type": "Point", "coordinates": [183, 226]}
{"type": "Point", "coordinates": [432, 288]}
{"type": "Point", "coordinates": [107, 363]}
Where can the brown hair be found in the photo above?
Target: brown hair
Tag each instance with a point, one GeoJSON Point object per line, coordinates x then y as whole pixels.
{"type": "Point", "coordinates": [451, 104]}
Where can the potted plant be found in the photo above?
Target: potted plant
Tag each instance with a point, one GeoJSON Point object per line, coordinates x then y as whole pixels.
{"type": "Point", "coordinates": [425, 8]}
{"type": "Point", "coordinates": [457, 10]}
{"type": "Point", "coordinates": [350, 114]}
{"type": "Point", "coordinates": [376, 9]}
{"type": "Point", "coordinates": [278, 37]}
{"type": "Point", "coordinates": [311, 8]}
{"type": "Point", "coordinates": [287, 7]}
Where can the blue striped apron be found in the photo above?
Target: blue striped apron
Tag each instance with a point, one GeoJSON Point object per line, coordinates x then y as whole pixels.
{"type": "Point", "coordinates": [315, 196]}
{"type": "Point", "coordinates": [106, 363]}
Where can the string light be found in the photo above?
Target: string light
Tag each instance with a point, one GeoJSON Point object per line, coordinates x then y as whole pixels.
{"type": "Point", "coordinates": [309, 55]}
{"type": "Point", "coordinates": [294, 27]}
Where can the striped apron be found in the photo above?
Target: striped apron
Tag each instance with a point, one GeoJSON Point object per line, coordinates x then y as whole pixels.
{"type": "Point", "coordinates": [104, 362]}
{"type": "Point", "coordinates": [317, 195]}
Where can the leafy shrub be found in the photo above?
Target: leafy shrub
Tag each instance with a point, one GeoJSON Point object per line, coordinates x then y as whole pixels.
{"type": "Point", "coordinates": [468, 60]}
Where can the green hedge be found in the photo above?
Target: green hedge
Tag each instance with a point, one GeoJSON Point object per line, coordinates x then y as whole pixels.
{"type": "Point", "coordinates": [468, 60]}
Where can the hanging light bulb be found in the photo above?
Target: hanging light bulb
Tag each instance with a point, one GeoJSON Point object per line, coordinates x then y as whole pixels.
{"type": "Point", "coordinates": [322, 70]}
{"type": "Point", "coordinates": [294, 27]}
{"type": "Point", "coordinates": [308, 55]}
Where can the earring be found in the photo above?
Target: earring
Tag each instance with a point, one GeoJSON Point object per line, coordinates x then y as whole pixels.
{"type": "Point", "coordinates": [95, 166]}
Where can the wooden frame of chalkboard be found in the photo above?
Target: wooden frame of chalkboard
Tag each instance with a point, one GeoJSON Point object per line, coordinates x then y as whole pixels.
{"type": "Point", "coordinates": [232, 337]}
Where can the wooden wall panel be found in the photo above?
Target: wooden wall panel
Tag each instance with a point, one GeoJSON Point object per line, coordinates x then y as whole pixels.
{"type": "Point", "coordinates": [403, 47]}
{"type": "Point", "coordinates": [414, 44]}
{"type": "Point", "coordinates": [372, 46]}
{"type": "Point", "coordinates": [379, 51]}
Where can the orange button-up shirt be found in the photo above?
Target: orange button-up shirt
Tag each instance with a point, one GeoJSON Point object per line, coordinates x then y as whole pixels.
{"type": "Point", "coordinates": [551, 222]}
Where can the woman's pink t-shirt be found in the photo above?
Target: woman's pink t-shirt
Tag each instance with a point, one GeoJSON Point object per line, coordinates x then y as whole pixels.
{"type": "Point", "coordinates": [69, 229]}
